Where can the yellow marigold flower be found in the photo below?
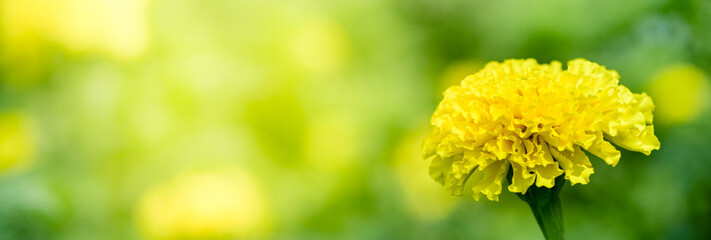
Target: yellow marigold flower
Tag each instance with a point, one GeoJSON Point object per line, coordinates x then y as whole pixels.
{"type": "Point", "coordinates": [535, 120]}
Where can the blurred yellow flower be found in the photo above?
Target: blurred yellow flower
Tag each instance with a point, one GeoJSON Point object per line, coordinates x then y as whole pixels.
{"type": "Point", "coordinates": [680, 92]}
{"type": "Point", "coordinates": [16, 141]}
{"type": "Point", "coordinates": [323, 152]}
{"type": "Point", "coordinates": [116, 26]}
{"type": "Point", "coordinates": [203, 206]}
{"type": "Point", "coordinates": [534, 119]}
{"type": "Point", "coordinates": [319, 46]}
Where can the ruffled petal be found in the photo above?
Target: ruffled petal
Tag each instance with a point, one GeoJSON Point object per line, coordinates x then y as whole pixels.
{"type": "Point", "coordinates": [439, 168]}
{"type": "Point", "coordinates": [521, 178]}
{"type": "Point", "coordinates": [646, 106]}
{"type": "Point", "coordinates": [576, 165]}
{"type": "Point", "coordinates": [490, 185]}
{"type": "Point", "coordinates": [545, 175]}
{"type": "Point", "coordinates": [639, 141]}
{"type": "Point", "coordinates": [605, 151]}
{"type": "Point", "coordinates": [461, 170]}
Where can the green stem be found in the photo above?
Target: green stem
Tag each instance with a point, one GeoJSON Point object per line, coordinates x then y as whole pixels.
{"type": "Point", "coordinates": [545, 204]}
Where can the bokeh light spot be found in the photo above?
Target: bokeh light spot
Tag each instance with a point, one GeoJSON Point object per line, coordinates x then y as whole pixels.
{"type": "Point", "coordinates": [203, 206]}
{"type": "Point", "coordinates": [680, 93]}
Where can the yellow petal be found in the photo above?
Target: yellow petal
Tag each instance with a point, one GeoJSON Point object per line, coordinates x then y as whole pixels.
{"type": "Point", "coordinates": [453, 172]}
{"type": "Point", "coordinates": [584, 139]}
{"type": "Point", "coordinates": [646, 106]}
{"type": "Point", "coordinates": [632, 118]}
{"type": "Point", "coordinates": [439, 168]}
{"type": "Point", "coordinates": [458, 176]}
{"type": "Point", "coordinates": [576, 165]}
{"type": "Point", "coordinates": [545, 175]}
{"type": "Point", "coordinates": [605, 151]}
{"type": "Point", "coordinates": [639, 141]}
{"type": "Point", "coordinates": [429, 145]}
{"type": "Point", "coordinates": [490, 185]}
{"type": "Point", "coordinates": [537, 152]}
{"type": "Point", "coordinates": [590, 71]}
{"type": "Point", "coordinates": [522, 178]}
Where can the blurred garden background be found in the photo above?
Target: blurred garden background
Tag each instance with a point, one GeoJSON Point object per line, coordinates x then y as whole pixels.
{"type": "Point", "coordinates": [185, 119]}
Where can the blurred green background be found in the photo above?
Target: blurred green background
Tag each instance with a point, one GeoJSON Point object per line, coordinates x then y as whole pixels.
{"type": "Point", "coordinates": [185, 119]}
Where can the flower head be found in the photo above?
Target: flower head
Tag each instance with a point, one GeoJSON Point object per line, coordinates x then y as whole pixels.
{"type": "Point", "coordinates": [535, 120]}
